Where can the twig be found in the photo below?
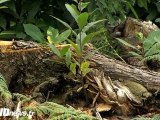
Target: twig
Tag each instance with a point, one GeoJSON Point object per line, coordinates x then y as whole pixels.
{"type": "Point", "coordinates": [48, 94]}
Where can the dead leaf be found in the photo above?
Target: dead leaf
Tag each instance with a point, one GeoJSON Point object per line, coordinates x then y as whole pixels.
{"type": "Point", "coordinates": [102, 107]}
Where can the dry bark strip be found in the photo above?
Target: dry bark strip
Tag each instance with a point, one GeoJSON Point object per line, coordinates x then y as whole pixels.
{"type": "Point", "coordinates": [32, 66]}
{"type": "Point", "coordinates": [122, 72]}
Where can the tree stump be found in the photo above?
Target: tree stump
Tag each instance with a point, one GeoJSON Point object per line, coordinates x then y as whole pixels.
{"type": "Point", "coordinates": [26, 64]}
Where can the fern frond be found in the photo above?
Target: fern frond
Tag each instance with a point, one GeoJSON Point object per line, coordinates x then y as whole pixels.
{"type": "Point", "coordinates": [21, 97]}
{"type": "Point", "coordinates": [4, 92]}
{"type": "Point", "coordinates": [57, 112]}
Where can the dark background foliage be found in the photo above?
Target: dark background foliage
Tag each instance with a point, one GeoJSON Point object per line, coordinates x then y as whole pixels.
{"type": "Point", "coordinates": [15, 13]}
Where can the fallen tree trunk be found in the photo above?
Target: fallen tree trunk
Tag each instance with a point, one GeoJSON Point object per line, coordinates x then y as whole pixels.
{"type": "Point", "coordinates": [123, 72]}
{"type": "Point", "coordinates": [30, 64]}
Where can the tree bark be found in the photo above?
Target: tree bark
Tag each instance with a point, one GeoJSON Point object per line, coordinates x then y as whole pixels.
{"type": "Point", "coordinates": [122, 72]}
{"type": "Point", "coordinates": [30, 66]}
{"type": "Point", "coordinates": [25, 66]}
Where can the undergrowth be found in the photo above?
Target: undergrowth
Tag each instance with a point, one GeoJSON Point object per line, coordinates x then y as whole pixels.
{"type": "Point", "coordinates": [49, 110]}
{"type": "Point", "coordinates": [155, 117]}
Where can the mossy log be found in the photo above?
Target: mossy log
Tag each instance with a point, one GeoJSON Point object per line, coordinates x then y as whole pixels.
{"type": "Point", "coordinates": [27, 64]}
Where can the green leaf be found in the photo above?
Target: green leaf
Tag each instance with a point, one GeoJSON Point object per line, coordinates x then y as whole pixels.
{"type": "Point", "coordinates": [150, 40]}
{"type": "Point", "coordinates": [53, 33]}
{"type": "Point", "coordinates": [7, 34]}
{"type": "Point", "coordinates": [152, 14]}
{"type": "Point", "coordinates": [13, 11]}
{"type": "Point", "coordinates": [75, 46]}
{"type": "Point", "coordinates": [153, 57]}
{"type": "Point", "coordinates": [34, 7]}
{"type": "Point", "coordinates": [55, 50]}
{"type": "Point", "coordinates": [92, 24]}
{"type": "Point", "coordinates": [34, 32]}
{"type": "Point", "coordinates": [158, 6]}
{"type": "Point", "coordinates": [143, 3]}
{"type": "Point", "coordinates": [77, 63]}
{"type": "Point", "coordinates": [157, 20]}
{"type": "Point", "coordinates": [3, 22]}
{"type": "Point", "coordinates": [84, 5]}
{"type": "Point", "coordinates": [140, 36]}
{"type": "Point", "coordinates": [68, 57]}
{"type": "Point", "coordinates": [91, 35]}
{"type": "Point", "coordinates": [20, 35]}
{"type": "Point", "coordinates": [73, 68]}
{"type": "Point", "coordinates": [136, 55]}
{"type": "Point", "coordinates": [132, 9]}
{"type": "Point", "coordinates": [76, 1]}
{"type": "Point", "coordinates": [80, 36]}
{"type": "Point", "coordinates": [3, 1]}
{"type": "Point", "coordinates": [64, 50]}
{"type": "Point", "coordinates": [73, 10]}
{"type": "Point", "coordinates": [126, 43]}
{"type": "Point", "coordinates": [65, 24]}
{"type": "Point", "coordinates": [155, 49]}
{"type": "Point", "coordinates": [3, 7]}
{"type": "Point", "coordinates": [82, 20]}
{"type": "Point", "coordinates": [152, 46]}
{"type": "Point", "coordinates": [85, 68]}
{"type": "Point", "coordinates": [63, 36]}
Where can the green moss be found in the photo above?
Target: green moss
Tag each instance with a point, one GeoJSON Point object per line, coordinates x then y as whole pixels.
{"type": "Point", "coordinates": [155, 117]}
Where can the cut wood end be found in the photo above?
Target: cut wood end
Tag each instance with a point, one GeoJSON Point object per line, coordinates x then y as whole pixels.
{"type": "Point", "coordinates": [6, 43]}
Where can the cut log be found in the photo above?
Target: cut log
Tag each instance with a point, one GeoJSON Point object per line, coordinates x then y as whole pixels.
{"type": "Point", "coordinates": [28, 64]}
{"type": "Point", "coordinates": [123, 72]}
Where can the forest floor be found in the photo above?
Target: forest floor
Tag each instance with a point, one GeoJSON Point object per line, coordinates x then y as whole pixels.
{"type": "Point", "coordinates": [40, 77]}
